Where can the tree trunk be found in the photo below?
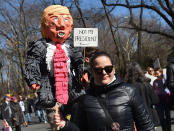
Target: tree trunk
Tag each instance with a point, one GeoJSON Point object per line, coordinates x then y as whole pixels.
{"type": "Point", "coordinates": [140, 35]}
{"type": "Point", "coordinates": [8, 82]}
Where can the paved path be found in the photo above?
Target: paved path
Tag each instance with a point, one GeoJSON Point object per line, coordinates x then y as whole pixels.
{"type": "Point", "coordinates": [34, 126]}
{"type": "Point", "coordinates": [37, 126]}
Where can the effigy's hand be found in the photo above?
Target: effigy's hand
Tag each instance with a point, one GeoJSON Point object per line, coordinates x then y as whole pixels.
{"type": "Point", "coordinates": [35, 87]}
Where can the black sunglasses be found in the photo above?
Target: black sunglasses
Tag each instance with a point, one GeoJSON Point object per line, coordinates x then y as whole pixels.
{"type": "Point", "coordinates": [99, 71]}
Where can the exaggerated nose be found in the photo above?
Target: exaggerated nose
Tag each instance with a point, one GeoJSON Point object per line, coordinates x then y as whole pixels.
{"type": "Point", "coordinates": [61, 23]}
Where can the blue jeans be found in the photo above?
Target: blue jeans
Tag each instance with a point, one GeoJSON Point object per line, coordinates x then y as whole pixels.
{"type": "Point", "coordinates": [41, 115]}
{"type": "Point", "coordinates": [29, 117]}
{"type": "Point", "coordinates": [23, 115]}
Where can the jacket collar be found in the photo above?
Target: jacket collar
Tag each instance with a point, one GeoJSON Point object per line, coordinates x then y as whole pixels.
{"type": "Point", "coordinates": [96, 90]}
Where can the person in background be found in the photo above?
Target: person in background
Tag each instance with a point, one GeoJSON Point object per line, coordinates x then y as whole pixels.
{"type": "Point", "coordinates": [107, 93]}
{"type": "Point", "coordinates": [16, 109]}
{"type": "Point", "coordinates": [7, 114]}
{"type": "Point", "coordinates": [36, 108]}
{"type": "Point", "coordinates": [39, 111]}
{"type": "Point", "coordinates": [150, 74]}
{"type": "Point", "coordinates": [22, 105]}
{"type": "Point", "coordinates": [43, 115]}
{"type": "Point", "coordinates": [86, 76]}
{"type": "Point", "coordinates": [164, 97]}
{"type": "Point", "coordinates": [135, 75]}
{"type": "Point", "coordinates": [28, 108]}
{"type": "Point", "coordinates": [170, 72]}
{"type": "Point", "coordinates": [170, 78]}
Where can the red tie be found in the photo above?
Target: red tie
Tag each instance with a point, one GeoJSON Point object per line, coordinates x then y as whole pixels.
{"type": "Point", "coordinates": [61, 74]}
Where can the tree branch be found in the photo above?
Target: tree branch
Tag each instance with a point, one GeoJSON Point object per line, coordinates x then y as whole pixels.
{"type": "Point", "coordinates": [147, 7]}
{"type": "Point", "coordinates": [148, 31]}
{"type": "Point", "coordinates": [80, 11]}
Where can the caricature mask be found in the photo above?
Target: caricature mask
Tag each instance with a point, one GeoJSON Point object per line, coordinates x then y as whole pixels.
{"type": "Point", "coordinates": [56, 23]}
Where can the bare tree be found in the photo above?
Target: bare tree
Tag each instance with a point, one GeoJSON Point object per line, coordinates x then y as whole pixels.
{"type": "Point", "coordinates": [124, 37]}
{"type": "Point", "coordinates": [18, 27]}
{"type": "Point", "coordinates": [121, 59]}
{"type": "Point", "coordinates": [164, 9]}
{"type": "Point", "coordinates": [80, 12]}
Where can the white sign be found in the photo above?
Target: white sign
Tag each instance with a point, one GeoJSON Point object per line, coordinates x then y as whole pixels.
{"type": "Point", "coordinates": [156, 64]}
{"type": "Point", "coordinates": [85, 37]}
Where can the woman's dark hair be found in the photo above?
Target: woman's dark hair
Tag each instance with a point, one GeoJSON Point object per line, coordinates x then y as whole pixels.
{"type": "Point", "coordinates": [134, 73]}
{"type": "Point", "coordinates": [98, 54]}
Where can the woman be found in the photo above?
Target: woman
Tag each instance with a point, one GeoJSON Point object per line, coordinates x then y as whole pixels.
{"type": "Point", "coordinates": [18, 119]}
{"type": "Point", "coordinates": [135, 76]}
{"type": "Point", "coordinates": [150, 74]}
{"type": "Point", "coordinates": [107, 93]}
{"type": "Point", "coordinates": [163, 106]}
{"type": "Point", "coordinates": [6, 111]}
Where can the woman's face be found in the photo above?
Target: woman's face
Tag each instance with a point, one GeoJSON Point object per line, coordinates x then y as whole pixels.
{"type": "Point", "coordinates": [15, 100]}
{"type": "Point", "coordinates": [103, 71]}
{"type": "Point", "coordinates": [151, 71]}
{"type": "Point", "coordinates": [158, 75]}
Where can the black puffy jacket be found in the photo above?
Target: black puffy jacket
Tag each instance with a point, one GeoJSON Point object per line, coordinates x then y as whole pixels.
{"type": "Point", "coordinates": [170, 74]}
{"type": "Point", "coordinates": [123, 103]}
{"type": "Point", "coordinates": [150, 98]}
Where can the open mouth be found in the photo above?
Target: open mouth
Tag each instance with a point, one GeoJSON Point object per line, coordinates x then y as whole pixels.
{"type": "Point", "coordinates": [61, 34]}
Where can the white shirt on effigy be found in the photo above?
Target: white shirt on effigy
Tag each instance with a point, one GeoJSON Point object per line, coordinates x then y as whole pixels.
{"type": "Point", "coordinates": [50, 53]}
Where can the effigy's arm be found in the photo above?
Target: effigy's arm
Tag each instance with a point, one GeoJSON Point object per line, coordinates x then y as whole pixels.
{"type": "Point", "coordinates": [33, 62]}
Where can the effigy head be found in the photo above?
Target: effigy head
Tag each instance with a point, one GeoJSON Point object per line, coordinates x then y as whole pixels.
{"type": "Point", "coordinates": [56, 23]}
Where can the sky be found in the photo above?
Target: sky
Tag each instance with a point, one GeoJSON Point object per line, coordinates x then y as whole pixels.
{"type": "Point", "coordinates": [120, 11]}
{"type": "Point", "coordinates": [97, 3]}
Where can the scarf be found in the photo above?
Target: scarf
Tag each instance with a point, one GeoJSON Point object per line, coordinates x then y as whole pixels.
{"type": "Point", "coordinates": [61, 75]}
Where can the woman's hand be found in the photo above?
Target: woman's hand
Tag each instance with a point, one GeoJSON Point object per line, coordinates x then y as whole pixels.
{"type": "Point", "coordinates": [58, 121]}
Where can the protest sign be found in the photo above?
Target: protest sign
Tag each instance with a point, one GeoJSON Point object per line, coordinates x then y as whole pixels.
{"type": "Point", "coordinates": [85, 37]}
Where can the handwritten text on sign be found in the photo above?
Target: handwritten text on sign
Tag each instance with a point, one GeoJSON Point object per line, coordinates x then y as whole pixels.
{"type": "Point", "coordinates": [85, 37]}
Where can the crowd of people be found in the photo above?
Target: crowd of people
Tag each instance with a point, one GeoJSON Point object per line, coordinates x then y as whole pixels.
{"type": "Point", "coordinates": [16, 111]}
{"type": "Point", "coordinates": [149, 99]}
{"type": "Point", "coordinates": [154, 88]}
{"type": "Point", "coordinates": [151, 87]}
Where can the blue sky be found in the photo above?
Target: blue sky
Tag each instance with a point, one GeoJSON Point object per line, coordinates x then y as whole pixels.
{"type": "Point", "coordinates": [120, 11]}
{"type": "Point", "coordinates": [97, 4]}
{"type": "Point", "coordinates": [91, 3]}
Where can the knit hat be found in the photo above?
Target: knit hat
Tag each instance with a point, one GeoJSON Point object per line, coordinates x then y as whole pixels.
{"type": "Point", "coordinates": [6, 97]}
{"type": "Point", "coordinates": [13, 98]}
{"type": "Point", "coordinates": [9, 95]}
